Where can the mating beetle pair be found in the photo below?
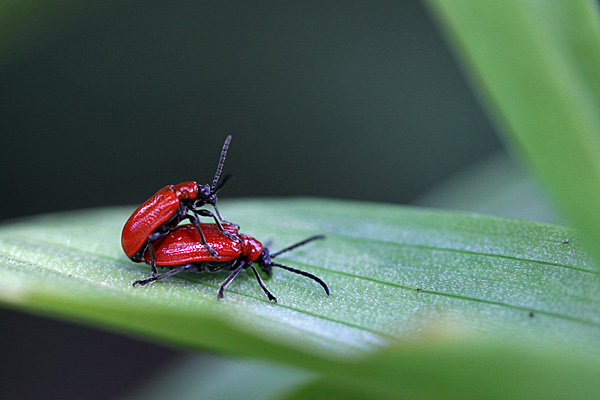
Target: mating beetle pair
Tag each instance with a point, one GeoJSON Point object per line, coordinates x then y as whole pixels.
{"type": "Point", "coordinates": [152, 234]}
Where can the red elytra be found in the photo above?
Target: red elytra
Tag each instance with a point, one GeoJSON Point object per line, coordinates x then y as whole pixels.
{"type": "Point", "coordinates": [154, 213]}
{"type": "Point", "coordinates": [181, 250]}
{"type": "Point", "coordinates": [182, 246]}
{"type": "Point", "coordinates": [172, 204]}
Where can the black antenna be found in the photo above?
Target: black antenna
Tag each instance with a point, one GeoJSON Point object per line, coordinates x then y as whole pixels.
{"type": "Point", "coordinates": [292, 247]}
{"type": "Point", "coordinates": [222, 183]}
{"type": "Point", "coordinates": [221, 162]}
{"type": "Point", "coordinates": [300, 272]}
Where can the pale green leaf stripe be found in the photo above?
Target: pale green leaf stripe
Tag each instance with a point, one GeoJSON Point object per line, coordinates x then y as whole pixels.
{"type": "Point", "coordinates": [494, 277]}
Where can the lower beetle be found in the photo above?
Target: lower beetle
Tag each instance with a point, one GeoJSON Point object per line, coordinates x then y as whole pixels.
{"type": "Point", "coordinates": [181, 250]}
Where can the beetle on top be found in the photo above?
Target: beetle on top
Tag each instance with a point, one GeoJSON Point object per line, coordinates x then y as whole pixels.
{"type": "Point", "coordinates": [172, 204]}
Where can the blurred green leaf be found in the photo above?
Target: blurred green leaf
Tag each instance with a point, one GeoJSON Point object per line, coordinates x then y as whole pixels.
{"type": "Point", "coordinates": [460, 369]}
{"type": "Point", "coordinates": [398, 275]}
{"type": "Point", "coordinates": [208, 377]}
{"type": "Point", "coordinates": [536, 67]}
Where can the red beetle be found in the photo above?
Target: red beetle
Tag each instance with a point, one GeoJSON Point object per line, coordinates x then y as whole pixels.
{"type": "Point", "coordinates": [180, 251]}
{"type": "Point", "coordinates": [172, 204]}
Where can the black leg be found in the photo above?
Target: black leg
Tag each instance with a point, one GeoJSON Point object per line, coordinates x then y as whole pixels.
{"type": "Point", "coordinates": [206, 213]}
{"type": "Point", "coordinates": [153, 258]}
{"type": "Point", "coordinates": [262, 285]}
{"type": "Point", "coordinates": [195, 220]}
{"type": "Point", "coordinates": [227, 281]}
{"type": "Point", "coordinates": [221, 218]}
{"type": "Point", "coordinates": [158, 277]}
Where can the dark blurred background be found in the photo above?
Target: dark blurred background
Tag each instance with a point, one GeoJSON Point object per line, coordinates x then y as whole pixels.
{"type": "Point", "coordinates": [105, 103]}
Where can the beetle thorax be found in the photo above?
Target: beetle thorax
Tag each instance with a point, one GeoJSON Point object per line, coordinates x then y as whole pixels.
{"type": "Point", "coordinates": [186, 190]}
{"type": "Point", "coordinates": [252, 249]}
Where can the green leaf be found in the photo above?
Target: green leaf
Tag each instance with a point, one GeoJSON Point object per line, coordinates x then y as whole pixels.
{"type": "Point", "coordinates": [489, 272]}
{"type": "Point", "coordinates": [459, 369]}
{"type": "Point", "coordinates": [536, 66]}
{"type": "Point", "coordinates": [398, 275]}
{"type": "Point", "coordinates": [212, 378]}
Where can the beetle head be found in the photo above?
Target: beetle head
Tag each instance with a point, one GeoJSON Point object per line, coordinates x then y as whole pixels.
{"type": "Point", "coordinates": [206, 195]}
{"type": "Point", "coordinates": [264, 261]}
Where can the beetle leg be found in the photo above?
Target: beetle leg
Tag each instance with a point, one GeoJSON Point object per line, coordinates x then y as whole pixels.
{"type": "Point", "coordinates": [158, 277]}
{"type": "Point", "coordinates": [227, 281]}
{"type": "Point", "coordinates": [206, 213]}
{"type": "Point", "coordinates": [195, 221]}
{"type": "Point", "coordinates": [221, 218]}
{"type": "Point", "coordinates": [262, 284]}
{"type": "Point", "coordinates": [153, 258]}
